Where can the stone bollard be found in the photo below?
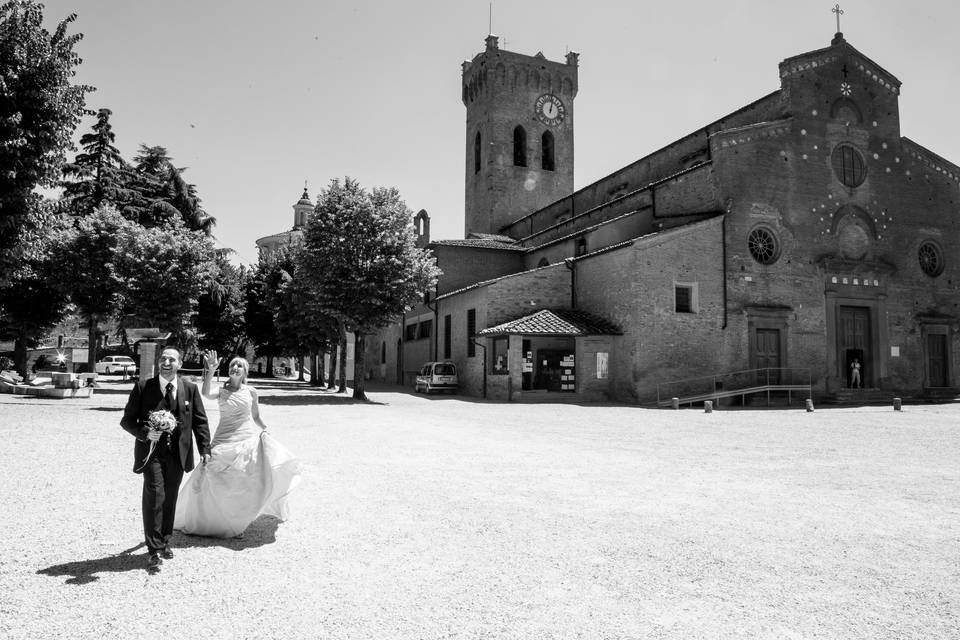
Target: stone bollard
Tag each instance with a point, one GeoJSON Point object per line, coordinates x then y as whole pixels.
{"type": "Point", "coordinates": [809, 405]}
{"type": "Point", "coordinates": [674, 403]}
{"type": "Point", "coordinates": [708, 406]}
{"type": "Point", "coordinates": [896, 404]}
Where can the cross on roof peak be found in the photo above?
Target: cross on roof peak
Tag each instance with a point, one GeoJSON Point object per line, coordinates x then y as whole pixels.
{"type": "Point", "coordinates": [837, 10]}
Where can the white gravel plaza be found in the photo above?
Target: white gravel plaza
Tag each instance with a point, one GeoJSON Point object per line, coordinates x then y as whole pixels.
{"type": "Point", "coordinates": [447, 517]}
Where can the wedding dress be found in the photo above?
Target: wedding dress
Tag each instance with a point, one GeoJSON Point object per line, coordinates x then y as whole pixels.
{"type": "Point", "coordinates": [248, 474]}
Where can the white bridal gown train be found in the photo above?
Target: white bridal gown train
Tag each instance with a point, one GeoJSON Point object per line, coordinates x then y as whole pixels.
{"type": "Point", "coordinates": [249, 474]}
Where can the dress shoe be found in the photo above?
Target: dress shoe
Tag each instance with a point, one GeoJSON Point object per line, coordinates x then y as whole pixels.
{"type": "Point", "coordinates": [166, 554]}
{"type": "Point", "coordinates": [153, 564]}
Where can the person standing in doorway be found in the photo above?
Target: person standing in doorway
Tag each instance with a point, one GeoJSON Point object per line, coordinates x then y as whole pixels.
{"type": "Point", "coordinates": [855, 374]}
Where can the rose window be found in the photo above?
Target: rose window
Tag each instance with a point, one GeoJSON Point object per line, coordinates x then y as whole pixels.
{"type": "Point", "coordinates": [764, 246]}
{"type": "Point", "coordinates": [931, 260]}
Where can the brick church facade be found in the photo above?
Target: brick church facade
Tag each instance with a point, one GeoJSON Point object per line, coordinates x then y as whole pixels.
{"type": "Point", "coordinates": [788, 239]}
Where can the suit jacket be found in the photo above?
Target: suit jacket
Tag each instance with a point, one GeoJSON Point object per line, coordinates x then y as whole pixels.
{"type": "Point", "coordinates": [147, 396]}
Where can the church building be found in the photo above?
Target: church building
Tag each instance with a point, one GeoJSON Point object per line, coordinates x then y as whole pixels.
{"type": "Point", "coordinates": [794, 241]}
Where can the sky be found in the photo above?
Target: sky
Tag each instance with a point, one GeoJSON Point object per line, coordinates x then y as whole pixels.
{"type": "Point", "coordinates": [257, 98]}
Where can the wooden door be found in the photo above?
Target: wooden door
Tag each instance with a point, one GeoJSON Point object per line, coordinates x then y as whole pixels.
{"type": "Point", "coordinates": [766, 355]}
{"type": "Point", "coordinates": [937, 360]}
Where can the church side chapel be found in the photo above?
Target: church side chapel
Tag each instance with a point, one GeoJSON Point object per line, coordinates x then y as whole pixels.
{"type": "Point", "coordinates": [787, 241]}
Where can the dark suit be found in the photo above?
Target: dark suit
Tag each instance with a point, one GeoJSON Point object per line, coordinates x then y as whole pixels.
{"type": "Point", "coordinates": [164, 471]}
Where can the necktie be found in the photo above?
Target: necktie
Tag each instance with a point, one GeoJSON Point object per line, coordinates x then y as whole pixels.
{"type": "Point", "coordinates": [168, 401]}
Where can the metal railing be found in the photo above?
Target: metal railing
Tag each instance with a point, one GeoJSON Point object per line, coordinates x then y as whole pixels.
{"type": "Point", "coordinates": [736, 383]}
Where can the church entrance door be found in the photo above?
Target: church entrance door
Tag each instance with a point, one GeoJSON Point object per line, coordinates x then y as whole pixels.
{"type": "Point", "coordinates": [937, 359]}
{"type": "Point", "coordinates": [767, 354]}
{"type": "Point", "coordinates": [855, 342]}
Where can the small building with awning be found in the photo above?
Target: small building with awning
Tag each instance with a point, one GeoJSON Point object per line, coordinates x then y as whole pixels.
{"type": "Point", "coordinates": [551, 355]}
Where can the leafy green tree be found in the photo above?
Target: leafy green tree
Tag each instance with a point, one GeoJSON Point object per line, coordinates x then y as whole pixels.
{"type": "Point", "coordinates": [220, 310]}
{"type": "Point", "coordinates": [32, 303]}
{"type": "Point", "coordinates": [40, 108]}
{"type": "Point", "coordinates": [258, 315]}
{"type": "Point", "coordinates": [99, 175]}
{"type": "Point", "coordinates": [165, 270]}
{"type": "Point", "coordinates": [89, 255]}
{"type": "Point", "coordinates": [360, 261]}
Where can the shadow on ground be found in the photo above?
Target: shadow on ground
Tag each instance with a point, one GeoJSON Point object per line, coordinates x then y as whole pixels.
{"type": "Point", "coordinates": [261, 531]}
{"type": "Point", "coordinates": [312, 399]}
{"type": "Point", "coordinates": [107, 391]}
{"type": "Point", "coordinates": [85, 571]}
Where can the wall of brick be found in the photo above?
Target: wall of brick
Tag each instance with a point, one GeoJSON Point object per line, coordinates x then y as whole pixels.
{"type": "Point", "coordinates": [463, 266]}
{"type": "Point", "coordinates": [499, 91]}
{"type": "Point", "coordinates": [634, 287]}
{"type": "Point", "coordinates": [855, 245]}
{"type": "Point", "coordinates": [682, 154]}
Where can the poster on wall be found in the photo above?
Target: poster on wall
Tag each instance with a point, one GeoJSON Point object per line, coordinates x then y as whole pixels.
{"type": "Point", "coordinates": [602, 364]}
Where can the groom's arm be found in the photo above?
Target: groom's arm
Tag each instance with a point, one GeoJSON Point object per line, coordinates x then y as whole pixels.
{"type": "Point", "coordinates": [131, 414]}
{"type": "Point", "coordinates": [201, 428]}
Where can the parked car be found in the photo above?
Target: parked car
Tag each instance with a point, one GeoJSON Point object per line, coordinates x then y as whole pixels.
{"type": "Point", "coordinates": [116, 364]}
{"type": "Point", "coordinates": [437, 376]}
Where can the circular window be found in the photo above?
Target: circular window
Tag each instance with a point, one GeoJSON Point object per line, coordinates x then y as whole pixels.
{"type": "Point", "coordinates": [931, 260]}
{"type": "Point", "coordinates": [848, 165]}
{"type": "Point", "coordinates": [764, 246]}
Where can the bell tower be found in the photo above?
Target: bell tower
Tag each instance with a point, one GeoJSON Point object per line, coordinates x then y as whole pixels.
{"type": "Point", "coordinates": [519, 142]}
{"type": "Point", "coordinates": [302, 210]}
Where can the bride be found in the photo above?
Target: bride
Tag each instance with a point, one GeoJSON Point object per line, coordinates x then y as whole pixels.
{"type": "Point", "coordinates": [248, 474]}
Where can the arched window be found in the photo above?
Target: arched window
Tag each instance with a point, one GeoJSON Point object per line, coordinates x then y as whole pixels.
{"type": "Point", "coordinates": [543, 263]}
{"type": "Point", "coordinates": [519, 147]}
{"type": "Point", "coordinates": [546, 145]}
{"type": "Point", "coordinates": [383, 352]}
{"type": "Point", "coordinates": [848, 165]}
{"type": "Point", "coordinates": [476, 153]}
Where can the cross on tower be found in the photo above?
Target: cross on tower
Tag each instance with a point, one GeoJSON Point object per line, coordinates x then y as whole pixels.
{"type": "Point", "coordinates": [837, 10]}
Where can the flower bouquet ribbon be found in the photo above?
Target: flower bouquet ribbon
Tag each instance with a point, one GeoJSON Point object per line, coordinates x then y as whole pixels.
{"type": "Point", "coordinates": [163, 421]}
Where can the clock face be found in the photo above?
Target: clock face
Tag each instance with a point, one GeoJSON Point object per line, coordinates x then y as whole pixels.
{"type": "Point", "coordinates": [549, 109]}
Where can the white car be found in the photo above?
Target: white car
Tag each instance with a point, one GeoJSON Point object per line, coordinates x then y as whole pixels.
{"type": "Point", "coordinates": [116, 364]}
{"type": "Point", "coordinates": [437, 376]}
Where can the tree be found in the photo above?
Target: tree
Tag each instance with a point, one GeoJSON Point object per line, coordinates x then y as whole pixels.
{"type": "Point", "coordinates": [95, 285]}
{"type": "Point", "coordinates": [99, 175]}
{"type": "Point", "coordinates": [165, 270]}
{"type": "Point", "coordinates": [360, 261]}
{"type": "Point", "coordinates": [39, 110]}
{"type": "Point", "coordinates": [33, 303]}
{"type": "Point", "coordinates": [164, 192]}
{"type": "Point", "coordinates": [258, 315]}
{"type": "Point", "coordinates": [220, 309]}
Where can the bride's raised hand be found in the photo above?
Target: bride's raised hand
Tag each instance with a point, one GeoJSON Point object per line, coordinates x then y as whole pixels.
{"type": "Point", "coordinates": [211, 361]}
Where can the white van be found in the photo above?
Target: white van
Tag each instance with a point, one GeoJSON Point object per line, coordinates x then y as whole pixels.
{"type": "Point", "coordinates": [437, 376]}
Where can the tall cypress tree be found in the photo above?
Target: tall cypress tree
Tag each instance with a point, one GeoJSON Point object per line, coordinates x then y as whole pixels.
{"type": "Point", "coordinates": [98, 175]}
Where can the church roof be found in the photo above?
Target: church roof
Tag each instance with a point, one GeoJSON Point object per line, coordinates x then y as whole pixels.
{"type": "Point", "coordinates": [556, 322]}
{"type": "Point", "coordinates": [480, 243]}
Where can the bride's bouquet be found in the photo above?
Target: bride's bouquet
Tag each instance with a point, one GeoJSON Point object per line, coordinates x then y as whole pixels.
{"type": "Point", "coordinates": [163, 421]}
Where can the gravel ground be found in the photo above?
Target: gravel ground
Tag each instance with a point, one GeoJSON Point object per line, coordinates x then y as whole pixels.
{"type": "Point", "coordinates": [444, 517]}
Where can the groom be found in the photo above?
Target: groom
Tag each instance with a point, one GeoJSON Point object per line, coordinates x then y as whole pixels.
{"type": "Point", "coordinates": [172, 455]}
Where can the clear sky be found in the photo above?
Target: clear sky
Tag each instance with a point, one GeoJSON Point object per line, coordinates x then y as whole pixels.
{"type": "Point", "coordinates": [254, 98]}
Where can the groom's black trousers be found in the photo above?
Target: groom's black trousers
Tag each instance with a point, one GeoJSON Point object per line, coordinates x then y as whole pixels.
{"type": "Point", "coordinates": [161, 484]}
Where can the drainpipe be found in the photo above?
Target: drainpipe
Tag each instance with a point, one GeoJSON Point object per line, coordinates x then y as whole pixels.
{"type": "Point", "coordinates": [571, 264]}
{"type": "Point", "coordinates": [436, 326]}
{"type": "Point", "coordinates": [403, 346]}
{"type": "Point", "coordinates": [723, 239]}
